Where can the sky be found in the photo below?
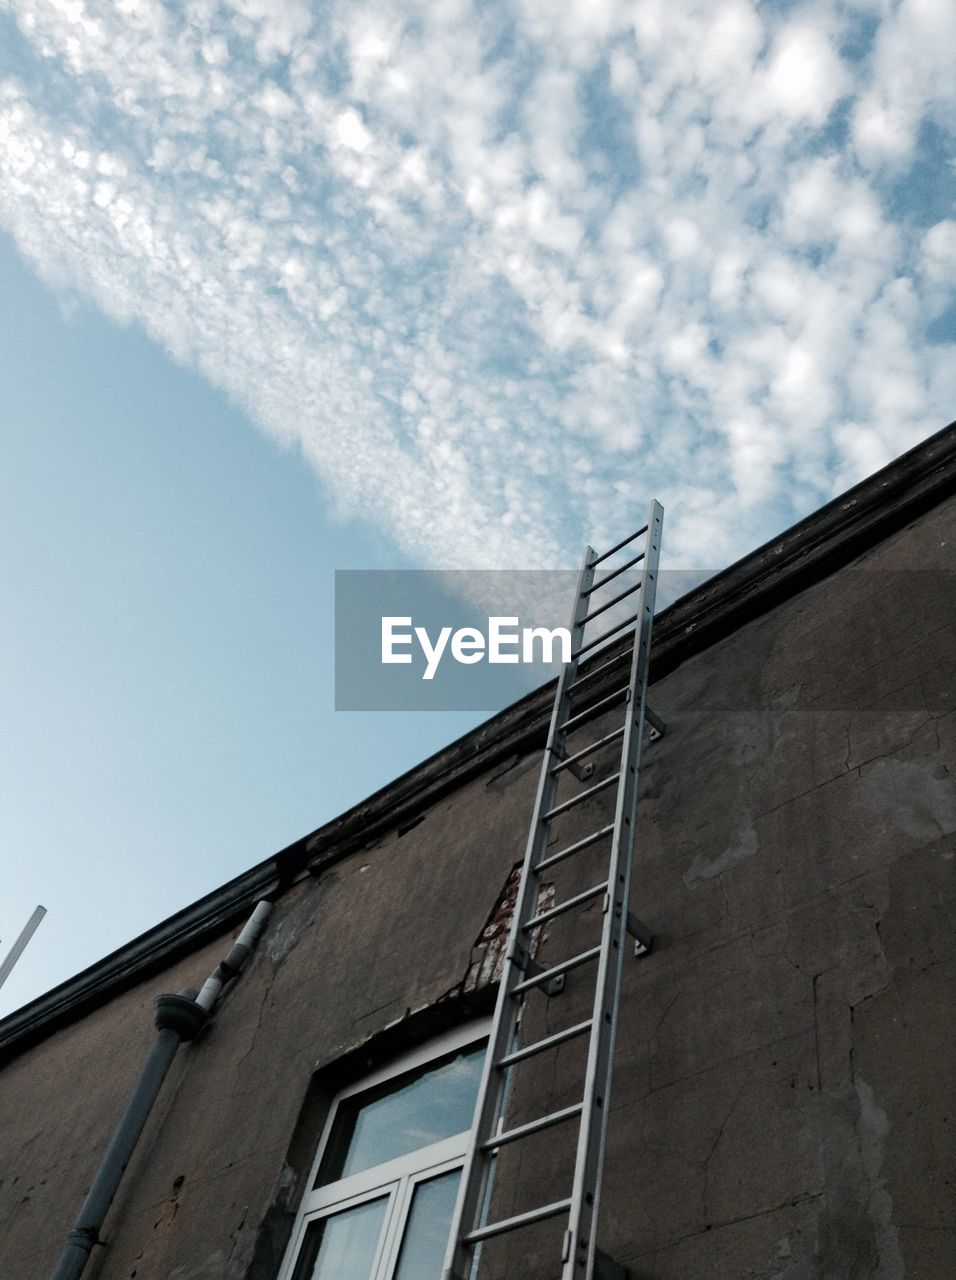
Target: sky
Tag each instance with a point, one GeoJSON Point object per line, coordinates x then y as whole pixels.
{"type": "Point", "coordinates": [290, 289]}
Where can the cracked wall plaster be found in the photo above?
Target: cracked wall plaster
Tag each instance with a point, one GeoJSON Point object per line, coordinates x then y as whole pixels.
{"type": "Point", "coordinates": [705, 868]}
{"type": "Point", "coordinates": [918, 797]}
{"type": "Point", "coordinates": [873, 1127]}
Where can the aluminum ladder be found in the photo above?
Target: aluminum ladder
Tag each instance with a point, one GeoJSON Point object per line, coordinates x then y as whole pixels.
{"type": "Point", "coordinates": [521, 973]}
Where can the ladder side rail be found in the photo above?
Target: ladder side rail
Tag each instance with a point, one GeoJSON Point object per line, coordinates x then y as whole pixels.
{"type": "Point", "coordinates": [473, 1185]}
{"type": "Point", "coordinates": [580, 1242]}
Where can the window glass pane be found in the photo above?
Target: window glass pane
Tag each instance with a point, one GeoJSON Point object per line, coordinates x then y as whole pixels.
{"type": "Point", "coordinates": [342, 1246]}
{"type": "Point", "coordinates": [429, 1224]}
{"type": "Point", "coordinates": [411, 1111]}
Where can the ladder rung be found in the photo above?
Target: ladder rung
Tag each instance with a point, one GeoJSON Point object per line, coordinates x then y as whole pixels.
{"type": "Point", "coordinates": [617, 547]}
{"type": "Point", "coordinates": [549, 1042]}
{"type": "Point", "coordinates": [605, 636]}
{"type": "Point", "coordinates": [610, 604]}
{"type": "Point", "coordinates": [567, 905]}
{"type": "Point", "coordinates": [603, 785]}
{"type": "Point", "coordinates": [519, 1220]}
{"type": "Point", "coordinates": [533, 1126]}
{"type": "Point", "coordinates": [618, 658]}
{"type": "Point", "coordinates": [616, 573]}
{"type": "Point", "coordinates": [586, 751]}
{"type": "Point", "coordinates": [555, 971]}
{"type": "Point", "coordinates": [589, 712]}
{"type": "Point", "coordinates": [574, 848]}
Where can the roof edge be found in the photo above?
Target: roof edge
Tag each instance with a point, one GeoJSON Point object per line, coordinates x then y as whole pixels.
{"type": "Point", "coordinates": [808, 551]}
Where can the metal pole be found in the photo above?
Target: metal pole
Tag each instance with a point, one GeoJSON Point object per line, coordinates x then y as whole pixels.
{"type": "Point", "coordinates": [16, 951]}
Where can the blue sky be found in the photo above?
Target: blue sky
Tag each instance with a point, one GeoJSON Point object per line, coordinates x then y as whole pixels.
{"type": "Point", "coordinates": [294, 288]}
{"type": "Point", "coordinates": [165, 656]}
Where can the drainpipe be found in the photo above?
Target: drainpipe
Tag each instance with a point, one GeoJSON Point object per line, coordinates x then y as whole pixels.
{"type": "Point", "coordinates": [178, 1018]}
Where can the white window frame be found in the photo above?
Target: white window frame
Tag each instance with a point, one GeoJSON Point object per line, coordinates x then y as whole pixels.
{"type": "Point", "coordinates": [398, 1178]}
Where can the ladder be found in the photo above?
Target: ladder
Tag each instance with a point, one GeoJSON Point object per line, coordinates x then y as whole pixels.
{"type": "Point", "coordinates": [522, 974]}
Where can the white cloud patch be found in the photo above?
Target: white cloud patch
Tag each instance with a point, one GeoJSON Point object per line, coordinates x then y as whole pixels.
{"type": "Point", "coordinates": [804, 77]}
{"type": "Point", "coordinates": [503, 272]}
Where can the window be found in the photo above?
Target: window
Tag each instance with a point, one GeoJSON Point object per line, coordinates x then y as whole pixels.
{"type": "Point", "coordinates": [382, 1191]}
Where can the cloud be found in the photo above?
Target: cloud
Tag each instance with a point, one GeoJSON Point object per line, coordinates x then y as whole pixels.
{"type": "Point", "coordinates": [911, 82]}
{"type": "Point", "coordinates": [804, 77]}
{"type": "Point", "coordinates": [504, 272]}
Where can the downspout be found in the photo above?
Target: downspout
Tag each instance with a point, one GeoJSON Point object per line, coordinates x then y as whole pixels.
{"type": "Point", "coordinates": [178, 1018]}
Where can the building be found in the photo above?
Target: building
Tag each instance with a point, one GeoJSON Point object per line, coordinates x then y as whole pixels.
{"type": "Point", "coordinates": [782, 1096]}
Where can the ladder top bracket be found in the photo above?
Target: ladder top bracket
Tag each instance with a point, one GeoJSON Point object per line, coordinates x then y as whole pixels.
{"type": "Point", "coordinates": [658, 726]}
{"type": "Point", "coordinates": [643, 938]}
{"type": "Point", "coordinates": [521, 959]}
{"type": "Point", "coordinates": [606, 1268]}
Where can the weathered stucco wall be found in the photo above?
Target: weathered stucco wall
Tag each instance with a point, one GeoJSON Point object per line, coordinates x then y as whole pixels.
{"type": "Point", "coordinates": [780, 1106]}
{"type": "Point", "coordinates": [783, 1100]}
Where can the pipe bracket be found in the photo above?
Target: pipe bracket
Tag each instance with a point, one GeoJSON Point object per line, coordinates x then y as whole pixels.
{"type": "Point", "coordinates": [179, 1014]}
